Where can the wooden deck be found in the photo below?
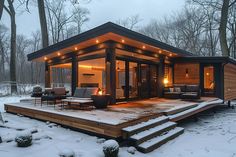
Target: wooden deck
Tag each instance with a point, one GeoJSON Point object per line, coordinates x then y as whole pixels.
{"type": "Point", "coordinates": [109, 122]}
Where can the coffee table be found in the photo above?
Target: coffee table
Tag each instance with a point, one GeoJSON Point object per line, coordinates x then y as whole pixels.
{"type": "Point", "coordinates": [75, 101]}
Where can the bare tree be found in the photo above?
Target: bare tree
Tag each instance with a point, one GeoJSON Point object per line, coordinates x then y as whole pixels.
{"type": "Point", "coordinates": [223, 27]}
{"type": "Point", "coordinates": [11, 11]}
{"type": "Point", "coordinates": [80, 16]}
{"type": "Point", "coordinates": [43, 23]}
{"type": "Point", "coordinates": [130, 22]}
{"type": "Point", "coordinates": [4, 46]}
{"type": "Point", "coordinates": [1, 8]}
{"type": "Point", "coordinates": [223, 8]}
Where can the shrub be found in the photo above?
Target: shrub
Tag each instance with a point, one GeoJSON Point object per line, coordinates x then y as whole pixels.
{"type": "Point", "coordinates": [67, 153]}
{"type": "Point", "coordinates": [24, 139]}
{"type": "Point", "coordinates": [111, 148]}
{"type": "Point", "coordinates": [131, 150]}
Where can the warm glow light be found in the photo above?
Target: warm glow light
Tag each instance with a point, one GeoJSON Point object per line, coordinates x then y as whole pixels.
{"type": "Point", "coordinates": [58, 53]}
{"type": "Point", "coordinates": [45, 58]}
{"type": "Point", "coordinates": [171, 55]}
{"type": "Point", "coordinates": [144, 47]}
{"type": "Point", "coordinates": [76, 48]}
{"type": "Point", "coordinates": [97, 41]}
{"type": "Point", "coordinates": [91, 67]}
{"type": "Point", "coordinates": [207, 74]}
{"type": "Point", "coordinates": [100, 92]}
{"type": "Point", "coordinates": [122, 40]}
{"type": "Point", "coordinates": [160, 51]}
{"type": "Point", "coordinates": [166, 81]}
{"type": "Point", "coordinates": [85, 66]}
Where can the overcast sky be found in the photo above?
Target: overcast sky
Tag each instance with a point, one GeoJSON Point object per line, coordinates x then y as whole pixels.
{"type": "Point", "coordinates": [102, 11]}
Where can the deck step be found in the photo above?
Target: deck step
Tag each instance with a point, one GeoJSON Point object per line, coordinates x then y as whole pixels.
{"type": "Point", "coordinates": [156, 142]}
{"type": "Point", "coordinates": [131, 130]}
{"type": "Point", "coordinates": [178, 110]}
{"type": "Point", "coordinates": [151, 133]}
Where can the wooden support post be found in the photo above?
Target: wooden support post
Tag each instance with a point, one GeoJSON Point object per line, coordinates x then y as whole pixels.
{"type": "Point", "coordinates": [229, 103]}
{"type": "Point", "coordinates": [47, 75]}
{"type": "Point", "coordinates": [127, 89]}
{"type": "Point", "coordinates": [111, 72]}
{"type": "Point", "coordinates": [161, 73]}
{"type": "Point", "coordinates": [74, 77]}
{"type": "Point", "coordinates": [201, 83]}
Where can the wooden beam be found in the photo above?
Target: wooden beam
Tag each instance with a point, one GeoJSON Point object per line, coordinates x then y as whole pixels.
{"type": "Point", "coordinates": [201, 83]}
{"type": "Point", "coordinates": [127, 80]}
{"type": "Point", "coordinates": [132, 49]}
{"type": "Point", "coordinates": [111, 72]}
{"type": "Point", "coordinates": [47, 75]}
{"type": "Point", "coordinates": [74, 77]}
{"type": "Point", "coordinates": [161, 73]}
{"type": "Point", "coordinates": [133, 59]}
{"type": "Point", "coordinates": [79, 53]}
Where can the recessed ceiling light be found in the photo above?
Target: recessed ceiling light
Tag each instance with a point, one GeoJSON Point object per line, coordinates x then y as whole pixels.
{"type": "Point", "coordinates": [122, 40]}
{"type": "Point", "coordinates": [76, 48]}
{"type": "Point", "coordinates": [45, 58]}
{"type": "Point", "coordinates": [171, 55]}
{"type": "Point", "coordinates": [58, 53]}
{"type": "Point", "coordinates": [160, 51]}
{"type": "Point", "coordinates": [97, 41]}
{"type": "Point", "coordinates": [144, 47]}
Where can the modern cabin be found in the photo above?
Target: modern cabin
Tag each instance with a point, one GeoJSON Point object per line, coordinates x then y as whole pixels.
{"type": "Point", "coordinates": [130, 66]}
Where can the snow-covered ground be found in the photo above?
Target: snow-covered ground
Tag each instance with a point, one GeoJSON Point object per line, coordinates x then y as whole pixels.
{"type": "Point", "coordinates": [214, 135]}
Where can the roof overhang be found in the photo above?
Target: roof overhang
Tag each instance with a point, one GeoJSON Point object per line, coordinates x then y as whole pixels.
{"type": "Point", "coordinates": [206, 59]}
{"type": "Point", "coordinates": [106, 32]}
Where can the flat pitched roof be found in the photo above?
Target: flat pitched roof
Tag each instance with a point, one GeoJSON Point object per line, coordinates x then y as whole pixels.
{"type": "Point", "coordinates": [102, 30]}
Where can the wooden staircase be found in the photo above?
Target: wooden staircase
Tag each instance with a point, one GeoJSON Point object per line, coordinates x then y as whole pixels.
{"type": "Point", "coordinates": [149, 135]}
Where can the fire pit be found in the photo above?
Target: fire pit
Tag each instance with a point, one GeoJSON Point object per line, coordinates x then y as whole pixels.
{"type": "Point", "coordinates": [101, 101]}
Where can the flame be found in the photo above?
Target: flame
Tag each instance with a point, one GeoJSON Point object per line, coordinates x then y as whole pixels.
{"type": "Point", "coordinates": [100, 92]}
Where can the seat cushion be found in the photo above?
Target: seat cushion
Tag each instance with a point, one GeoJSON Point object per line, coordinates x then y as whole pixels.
{"type": "Point", "coordinates": [181, 86]}
{"type": "Point", "coordinates": [190, 94]}
{"type": "Point", "coordinates": [177, 89]}
{"type": "Point", "coordinates": [59, 90]}
{"type": "Point", "coordinates": [79, 92]}
{"type": "Point", "coordinates": [192, 88]}
{"type": "Point", "coordinates": [90, 91]}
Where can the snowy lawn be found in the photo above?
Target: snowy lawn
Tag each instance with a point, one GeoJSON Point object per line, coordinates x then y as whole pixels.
{"type": "Point", "coordinates": [214, 135]}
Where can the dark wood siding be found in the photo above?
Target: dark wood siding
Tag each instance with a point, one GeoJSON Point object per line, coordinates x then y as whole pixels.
{"type": "Point", "coordinates": [192, 70]}
{"type": "Point", "coordinates": [229, 82]}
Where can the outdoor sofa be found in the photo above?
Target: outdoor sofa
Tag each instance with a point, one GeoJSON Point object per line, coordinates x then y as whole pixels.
{"type": "Point", "coordinates": [182, 91]}
{"type": "Point", "coordinates": [54, 94]}
{"type": "Point", "coordinates": [82, 97]}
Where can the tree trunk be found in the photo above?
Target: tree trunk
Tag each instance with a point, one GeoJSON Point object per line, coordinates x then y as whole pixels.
{"type": "Point", "coordinates": [222, 29]}
{"type": "Point", "coordinates": [1, 8]}
{"type": "Point", "coordinates": [43, 23]}
{"type": "Point", "coordinates": [13, 49]}
{"type": "Point", "coordinates": [2, 61]}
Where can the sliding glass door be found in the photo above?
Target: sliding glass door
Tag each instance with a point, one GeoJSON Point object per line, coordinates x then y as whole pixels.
{"type": "Point", "coordinates": [135, 80]}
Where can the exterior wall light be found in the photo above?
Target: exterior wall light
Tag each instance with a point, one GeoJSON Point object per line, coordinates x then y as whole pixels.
{"type": "Point", "coordinates": [186, 73]}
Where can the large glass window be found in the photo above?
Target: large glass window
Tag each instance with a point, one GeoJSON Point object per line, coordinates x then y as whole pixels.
{"type": "Point", "coordinates": [92, 73]}
{"type": "Point", "coordinates": [168, 76]}
{"type": "Point", "coordinates": [144, 88]}
{"type": "Point", "coordinates": [209, 82]}
{"type": "Point", "coordinates": [153, 81]}
{"type": "Point", "coordinates": [133, 80]}
{"type": "Point", "coordinates": [120, 79]}
{"type": "Point", "coordinates": [61, 75]}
